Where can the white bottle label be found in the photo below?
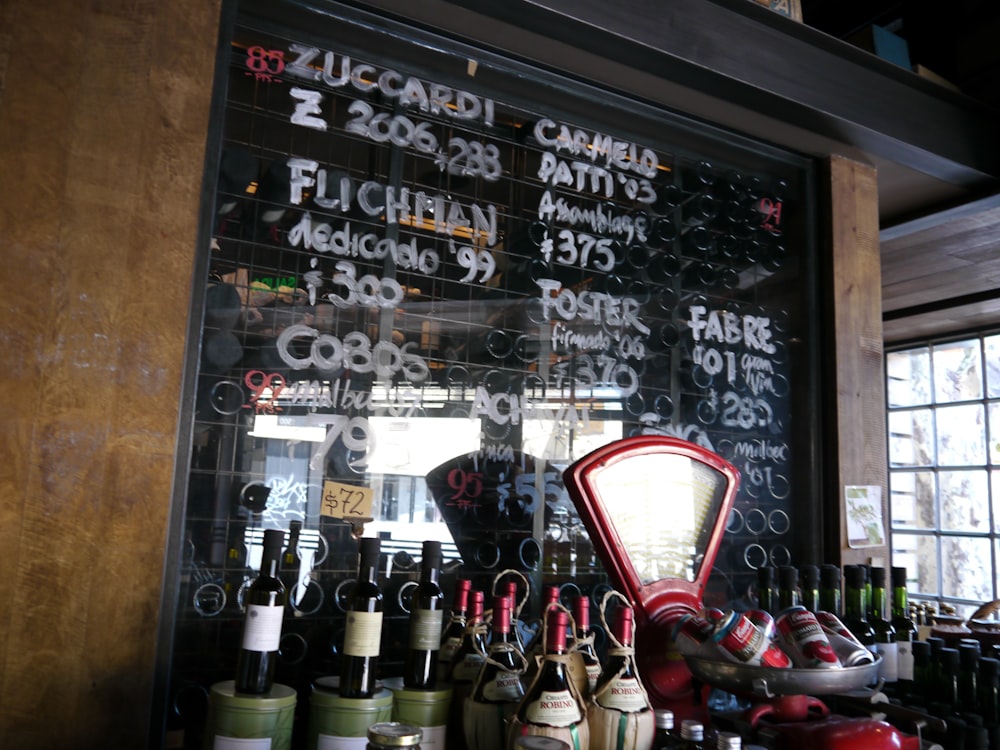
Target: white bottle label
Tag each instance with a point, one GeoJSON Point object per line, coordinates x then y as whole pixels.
{"type": "Point", "coordinates": [889, 668]}
{"type": "Point", "coordinates": [504, 688]}
{"type": "Point", "coordinates": [624, 695]}
{"type": "Point", "coordinates": [555, 709]}
{"type": "Point", "coordinates": [363, 633]}
{"type": "Point", "coordinates": [425, 629]}
{"type": "Point", "coordinates": [262, 628]}
{"type": "Point", "coordinates": [904, 659]}
{"type": "Point", "coordinates": [239, 743]}
{"type": "Point", "coordinates": [332, 742]}
{"type": "Point", "coordinates": [593, 673]}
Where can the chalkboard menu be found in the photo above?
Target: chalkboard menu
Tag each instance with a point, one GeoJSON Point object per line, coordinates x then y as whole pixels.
{"type": "Point", "coordinates": [433, 281]}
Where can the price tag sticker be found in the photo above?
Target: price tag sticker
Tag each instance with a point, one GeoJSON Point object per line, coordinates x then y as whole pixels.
{"type": "Point", "coordinates": [346, 501]}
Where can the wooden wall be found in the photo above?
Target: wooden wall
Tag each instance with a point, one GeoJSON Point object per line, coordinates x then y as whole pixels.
{"type": "Point", "coordinates": [854, 436]}
{"type": "Point", "coordinates": [104, 109]}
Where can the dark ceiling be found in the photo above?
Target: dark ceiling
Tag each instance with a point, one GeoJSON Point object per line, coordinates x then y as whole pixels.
{"type": "Point", "coordinates": [940, 243]}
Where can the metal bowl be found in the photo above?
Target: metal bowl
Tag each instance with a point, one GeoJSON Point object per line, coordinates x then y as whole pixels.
{"type": "Point", "coordinates": [769, 682]}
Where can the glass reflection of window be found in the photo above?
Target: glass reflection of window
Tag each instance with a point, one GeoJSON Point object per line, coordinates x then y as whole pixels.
{"type": "Point", "coordinates": [659, 505]}
{"type": "Point", "coordinates": [944, 455]}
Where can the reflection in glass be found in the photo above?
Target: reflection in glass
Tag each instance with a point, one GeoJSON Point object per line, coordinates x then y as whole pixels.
{"type": "Point", "coordinates": [994, 432]}
{"type": "Point", "coordinates": [911, 438]}
{"type": "Point", "coordinates": [919, 555]}
{"type": "Point", "coordinates": [961, 435]}
{"type": "Point", "coordinates": [663, 508]}
{"type": "Point", "coordinates": [964, 500]}
{"type": "Point", "coordinates": [963, 562]}
{"type": "Point", "coordinates": [958, 371]}
{"type": "Point", "coordinates": [911, 498]}
{"type": "Point", "coordinates": [908, 377]}
{"type": "Point", "coordinates": [992, 356]}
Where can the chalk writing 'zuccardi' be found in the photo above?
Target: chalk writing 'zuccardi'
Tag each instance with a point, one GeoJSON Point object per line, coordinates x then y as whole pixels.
{"type": "Point", "coordinates": [409, 91]}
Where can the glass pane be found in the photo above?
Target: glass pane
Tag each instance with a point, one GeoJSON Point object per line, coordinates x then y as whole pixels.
{"type": "Point", "coordinates": [957, 371]}
{"type": "Point", "coordinates": [995, 484]}
{"type": "Point", "coordinates": [964, 500]}
{"type": "Point", "coordinates": [911, 438]}
{"type": "Point", "coordinates": [919, 555]}
{"type": "Point", "coordinates": [966, 564]}
{"type": "Point", "coordinates": [908, 380]}
{"type": "Point", "coordinates": [911, 497]}
{"type": "Point", "coordinates": [994, 433]}
{"type": "Point", "coordinates": [992, 347]}
{"type": "Point", "coordinates": [961, 432]}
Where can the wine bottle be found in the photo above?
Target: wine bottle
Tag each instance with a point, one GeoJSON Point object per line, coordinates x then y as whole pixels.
{"type": "Point", "coordinates": [463, 670]}
{"type": "Point", "coordinates": [885, 633]}
{"type": "Point", "coordinates": [855, 611]}
{"type": "Point", "coordinates": [829, 590]}
{"type": "Point", "coordinates": [451, 638]}
{"type": "Point", "coordinates": [363, 629]}
{"type": "Point", "coordinates": [469, 655]}
{"type": "Point", "coordinates": [510, 588]}
{"type": "Point", "coordinates": [906, 630]}
{"type": "Point", "coordinates": [536, 649]}
{"type": "Point", "coordinates": [621, 717]}
{"type": "Point", "coordinates": [767, 596]}
{"type": "Point", "coordinates": [788, 587]}
{"type": "Point", "coordinates": [551, 705]}
{"type": "Point", "coordinates": [426, 616]}
{"type": "Point", "coordinates": [498, 688]}
{"type": "Point", "coordinates": [665, 739]}
{"type": "Point", "coordinates": [692, 735]}
{"type": "Point", "coordinates": [810, 587]}
{"type": "Point", "coordinates": [265, 606]}
{"type": "Point", "coordinates": [583, 645]}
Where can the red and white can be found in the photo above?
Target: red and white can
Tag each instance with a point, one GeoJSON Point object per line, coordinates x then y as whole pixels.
{"type": "Point", "coordinates": [763, 620]}
{"type": "Point", "coordinates": [741, 641]}
{"type": "Point", "coordinates": [693, 636]}
{"type": "Point", "coordinates": [850, 651]}
{"type": "Point", "coordinates": [803, 638]}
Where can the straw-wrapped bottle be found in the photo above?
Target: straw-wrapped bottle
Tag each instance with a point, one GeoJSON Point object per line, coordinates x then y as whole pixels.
{"type": "Point", "coordinates": [497, 689]}
{"type": "Point", "coordinates": [552, 706]}
{"type": "Point", "coordinates": [621, 716]}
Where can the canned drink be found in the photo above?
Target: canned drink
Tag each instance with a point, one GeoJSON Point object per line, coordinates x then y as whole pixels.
{"type": "Point", "coordinates": [804, 639]}
{"type": "Point", "coordinates": [693, 636]}
{"type": "Point", "coordinates": [714, 615]}
{"type": "Point", "coordinates": [740, 641]}
{"type": "Point", "coordinates": [763, 620]}
{"type": "Point", "coordinates": [850, 651]}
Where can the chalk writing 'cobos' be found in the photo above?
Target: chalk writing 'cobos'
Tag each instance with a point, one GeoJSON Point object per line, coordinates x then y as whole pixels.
{"type": "Point", "coordinates": [433, 98]}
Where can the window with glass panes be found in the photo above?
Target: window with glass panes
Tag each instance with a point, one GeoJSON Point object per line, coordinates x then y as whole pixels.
{"type": "Point", "coordinates": [944, 468]}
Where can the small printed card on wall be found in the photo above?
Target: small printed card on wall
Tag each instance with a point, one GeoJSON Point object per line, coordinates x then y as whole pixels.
{"type": "Point", "coordinates": [347, 501]}
{"type": "Point", "coordinates": [865, 526]}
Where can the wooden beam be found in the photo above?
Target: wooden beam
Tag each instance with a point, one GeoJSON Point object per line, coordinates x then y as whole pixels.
{"type": "Point", "coordinates": [855, 433]}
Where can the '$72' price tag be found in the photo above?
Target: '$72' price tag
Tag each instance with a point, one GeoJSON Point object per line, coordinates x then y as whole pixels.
{"type": "Point", "coordinates": [346, 501]}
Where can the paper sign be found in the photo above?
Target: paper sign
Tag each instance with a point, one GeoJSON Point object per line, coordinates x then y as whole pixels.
{"type": "Point", "coordinates": [346, 501]}
{"type": "Point", "coordinates": [865, 527]}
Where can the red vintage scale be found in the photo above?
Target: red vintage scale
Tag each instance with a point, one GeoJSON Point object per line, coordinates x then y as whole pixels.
{"type": "Point", "coordinates": [656, 508]}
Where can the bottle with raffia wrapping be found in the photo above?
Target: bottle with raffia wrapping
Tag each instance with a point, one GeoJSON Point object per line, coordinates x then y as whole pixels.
{"type": "Point", "coordinates": [621, 716]}
{"type": "Point", "coordinates": [497, 689]}
{"type": "Point", "coordinates": [454, 631]}
{"type": "Point", "coordinates": [552, 706]}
